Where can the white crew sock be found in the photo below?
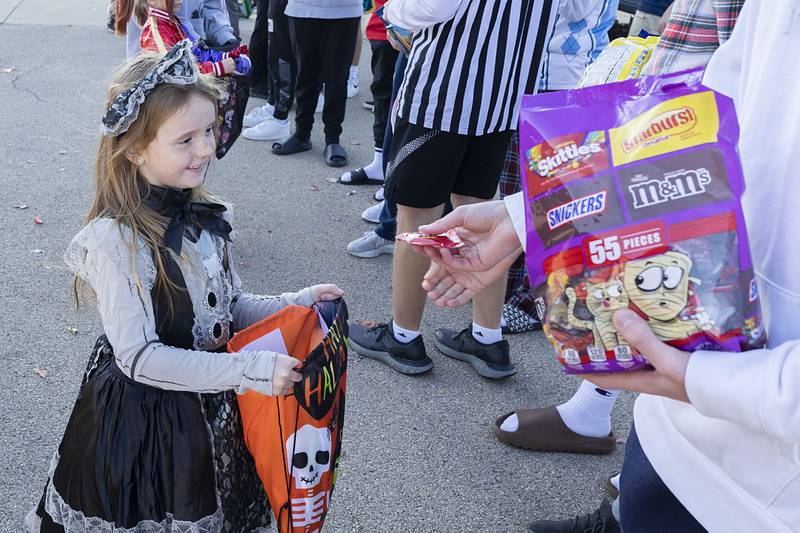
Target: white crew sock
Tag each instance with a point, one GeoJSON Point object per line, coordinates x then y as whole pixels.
{"type": "Point", "coordinates": [588, 412]}
{"type": "Point", "coordinates": [353, 72]}
{"type": "Point", "coordinates": [402, 334]}
{"type": "Point", "coordinates": [374, 170]}
{"type": "Point", "coordinates": [486, 335]}
{"type": "Point", "coordinates": [270, 109]}
{"type": "Point", "coordinates": [281, 120]}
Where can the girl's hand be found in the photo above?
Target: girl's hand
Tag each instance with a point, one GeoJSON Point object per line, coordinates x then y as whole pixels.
{"type": "Point", "coordinates": [325, 292]}
{"type": "Point", "coordinates": [284, 376]}
{"type": "Point", "coordinates": [229, 65]}
{"type": "Point", "coordinates": [667, 378]}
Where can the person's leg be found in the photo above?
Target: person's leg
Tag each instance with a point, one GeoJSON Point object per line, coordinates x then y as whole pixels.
{"type": "Point", "coordinates": [233, 15]}
{"type": "Point", "coordinates": [352, 77]}
{"type": "Point", "coordinates": [282, 59]}
{"type": "Point", "coordinates": [306, 38]}
{"type": "Point", "coordinates": [336, 48]}
{"type": "Point", "coordinates": [384, 59]}
{"type": "Point", "coordinates": [420, 175]}
{"type": "Point", "coordinates": [645, 502]}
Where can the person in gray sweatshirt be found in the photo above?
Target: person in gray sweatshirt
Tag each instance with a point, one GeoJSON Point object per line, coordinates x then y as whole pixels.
{"type": "Point", "coordinates": [323, 35]}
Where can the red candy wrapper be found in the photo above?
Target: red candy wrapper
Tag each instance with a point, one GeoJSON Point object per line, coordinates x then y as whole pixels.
{"type": "Point", "coordinates": [449, 239]}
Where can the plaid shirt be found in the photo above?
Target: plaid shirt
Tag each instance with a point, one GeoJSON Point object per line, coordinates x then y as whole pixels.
{"type": "Point", "coordinates": [695, 30]}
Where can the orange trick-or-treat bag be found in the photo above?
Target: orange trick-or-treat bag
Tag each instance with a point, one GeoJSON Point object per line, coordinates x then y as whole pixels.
{"type": "Point", "coordinates": [296, 440]}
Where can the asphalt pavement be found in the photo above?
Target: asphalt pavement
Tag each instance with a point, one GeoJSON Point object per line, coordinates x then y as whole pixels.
{"type": "Point", "coordinates": [418, 452]}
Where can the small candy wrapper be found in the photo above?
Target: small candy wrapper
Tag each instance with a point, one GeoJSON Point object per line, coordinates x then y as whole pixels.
{"type": "Point", "coordinates": [449, 239]}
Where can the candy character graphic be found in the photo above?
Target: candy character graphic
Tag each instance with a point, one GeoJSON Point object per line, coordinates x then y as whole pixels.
{"type": "Point", "coordinates": [602, 299]}
{"type": "Point", "coordinates": [659, 287]}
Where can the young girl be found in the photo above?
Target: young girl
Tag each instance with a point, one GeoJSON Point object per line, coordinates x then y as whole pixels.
{"type": "Point", "coordinates": [161, 30]}
{"type": "Point", "coordinates": [154, 442]}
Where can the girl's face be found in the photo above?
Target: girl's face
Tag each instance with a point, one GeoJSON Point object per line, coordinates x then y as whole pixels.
{"type": "Point", "coordinates": [182, 148]}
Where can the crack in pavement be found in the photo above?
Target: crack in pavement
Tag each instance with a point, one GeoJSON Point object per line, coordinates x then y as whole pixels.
{"type": "Point", "coordinates": [24, 89]}
{"type": "Point", "coordinates": [11, 12]}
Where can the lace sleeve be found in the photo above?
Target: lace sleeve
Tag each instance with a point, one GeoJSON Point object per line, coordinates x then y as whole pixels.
{"type": "Point", "coordinates": [101, 255]}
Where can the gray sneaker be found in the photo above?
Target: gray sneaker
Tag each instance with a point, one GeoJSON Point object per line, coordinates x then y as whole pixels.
{"type": "Point", "coordinates": [370, 245]}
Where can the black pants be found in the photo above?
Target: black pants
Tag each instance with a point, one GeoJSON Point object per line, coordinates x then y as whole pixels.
{"type": "Point", "coordinates": [259, 51]}
{"type": "Point", "coordinates": [282, 69]}
{"type": "Point", "coordinates": [645, 502]}
{"type": "Point", "coordinates": [323, 49]}
{"type": "Point", "coordinates": [384, 58]}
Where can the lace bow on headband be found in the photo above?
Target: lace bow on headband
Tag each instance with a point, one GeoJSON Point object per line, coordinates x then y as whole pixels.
{"type": "Point", "coordinates": [177, 67]}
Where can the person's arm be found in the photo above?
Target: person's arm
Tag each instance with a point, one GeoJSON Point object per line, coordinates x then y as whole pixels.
{"type": "Point", "coordinates": [759, 390]}
{"type": "Point", "coordinates": [416, 15]}
{"type": "Point", "coordinates": [217, 23]}
{"type": "Point", "coordinates": [103, 259]}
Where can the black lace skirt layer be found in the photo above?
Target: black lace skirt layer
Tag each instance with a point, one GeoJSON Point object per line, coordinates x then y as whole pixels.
{"type": "Point", "coordinates": [137, 458]}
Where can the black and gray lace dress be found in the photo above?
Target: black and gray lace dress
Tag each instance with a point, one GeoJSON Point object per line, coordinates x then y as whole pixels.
{"type": "Point", "coordinates": [154, 442]}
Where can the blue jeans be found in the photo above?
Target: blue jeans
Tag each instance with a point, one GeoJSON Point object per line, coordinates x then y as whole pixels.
{"type": "Point", "coordinates": [645, 502]}
{"type": "Point", "coordinates": [387, 227]}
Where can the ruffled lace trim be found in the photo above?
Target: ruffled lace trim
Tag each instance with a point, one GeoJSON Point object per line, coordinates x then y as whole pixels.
{"type": "Point", "coordinates": [114, 240]}
{"type": "Point", "coordinates": [76, 522]}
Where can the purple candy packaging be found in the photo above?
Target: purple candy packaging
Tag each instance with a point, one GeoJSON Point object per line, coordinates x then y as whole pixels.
{"type": "Point", "coordinates": [632, 193]}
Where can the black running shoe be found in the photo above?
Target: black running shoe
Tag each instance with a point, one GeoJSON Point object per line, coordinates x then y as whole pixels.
{"type": "Point", "coordinates": [489, 360]}
{"type": "Point", "coordinates": [377, 342]}
{"type": "Point", "coordinates": [600, 521]}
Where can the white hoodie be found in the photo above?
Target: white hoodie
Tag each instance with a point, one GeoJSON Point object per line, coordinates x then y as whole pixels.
{"type": "Point", "coordinates": [732, 456]}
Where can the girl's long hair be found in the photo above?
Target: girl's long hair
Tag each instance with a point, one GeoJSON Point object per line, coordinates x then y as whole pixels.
{"type": "Point", "coordinates": [117, 182]}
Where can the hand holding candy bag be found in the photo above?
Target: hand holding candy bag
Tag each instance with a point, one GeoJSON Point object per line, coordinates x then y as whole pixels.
{"type": "Point", "coordinates": [633, 202]}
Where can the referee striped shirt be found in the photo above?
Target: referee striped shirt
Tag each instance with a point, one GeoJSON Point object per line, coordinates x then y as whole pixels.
{"type": "Point", "coordinates": [468, 75]}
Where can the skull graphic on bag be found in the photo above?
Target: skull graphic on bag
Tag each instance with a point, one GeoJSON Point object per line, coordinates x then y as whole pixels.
{"type": "Point", "coordinates": [308, 454]}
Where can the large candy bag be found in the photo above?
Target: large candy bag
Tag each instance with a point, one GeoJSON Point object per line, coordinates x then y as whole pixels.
{"type": "Point", "coordinates": [633, 201]}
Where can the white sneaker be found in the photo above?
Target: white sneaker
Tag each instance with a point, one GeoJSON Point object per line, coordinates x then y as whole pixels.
{"type": "Point", "coordinates": [372, 214]}
{"type": "Point", "coordinates": [257, 115]}
{"type": "Point", "coordinates": [320, 103]}
{"type": "Point", "coordinates": [271, 129]}
{"type": "Point", "coordinates": [352, 86]}
{"type": "Point", "coordinates": [370, 245]}
{"type": "Point", "coordinates": [379, 197]}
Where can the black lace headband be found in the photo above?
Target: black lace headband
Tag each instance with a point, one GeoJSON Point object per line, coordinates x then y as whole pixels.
{"type": "Point", "coordinates": [177, 67]}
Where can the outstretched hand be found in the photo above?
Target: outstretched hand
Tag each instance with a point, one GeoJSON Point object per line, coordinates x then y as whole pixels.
{"type": "Point", "coordinates": [667, 378]}
{"type": "Point", "coordinates": [488, 235]}
{"type": "Point", "coordinates": [490, 247]}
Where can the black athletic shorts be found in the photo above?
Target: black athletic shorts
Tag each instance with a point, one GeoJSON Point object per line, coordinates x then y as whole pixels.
{"type": "Point", "coordinates": [425, 166]}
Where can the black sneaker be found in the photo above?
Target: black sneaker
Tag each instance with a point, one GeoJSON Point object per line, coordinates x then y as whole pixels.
{"type": "Point", "coordinates": [600, 521]}
{"type": "Point", "coordinates": [378, 342]}
{"type": "Point", "coordinates": [488, 360]}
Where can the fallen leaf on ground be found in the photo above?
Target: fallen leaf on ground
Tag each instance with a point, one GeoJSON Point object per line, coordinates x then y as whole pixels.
{"type": "Point", "coordinates": [332, 180]}
{"type": "Point", "coordinates": [313, 188]}
{"type": "Point", "coordinates": [21, 206]}
{"type": "Point", "coordinates": [41, 372]}
{"type": "Point", "coordinates": [62, 152]}
{"type": "Point", "coordinates": [62, 169]}
{"type": "Point", "coordinates": [72, 330]}
{"type": "Point", "coordinates": [38, 220]}
{"type": "Point", "coordinates": [349, 193]}
{"type": "Point", "coordinates": [30, 161]}
{"type": "Point", "coordinates": [37, 251]}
